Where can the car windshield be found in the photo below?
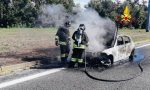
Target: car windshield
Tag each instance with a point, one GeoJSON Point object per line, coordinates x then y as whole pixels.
{"type": "Point", "coordinates": [109, 40]}
{"type": "Point", "coordinates": [109, 43]}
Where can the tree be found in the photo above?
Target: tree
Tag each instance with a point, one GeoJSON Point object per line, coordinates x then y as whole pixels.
{"type": "Point", "coordinates": [23, 13]}
{"type": "Point", "coordinates": [106, 8]}
{"type": "Point", "coordinates": [17, 13]}
{"type": "Point", "coordinates": [68, 4]}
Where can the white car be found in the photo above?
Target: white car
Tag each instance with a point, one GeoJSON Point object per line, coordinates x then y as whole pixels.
{"type": "Point", "coordinates": [122, 49]}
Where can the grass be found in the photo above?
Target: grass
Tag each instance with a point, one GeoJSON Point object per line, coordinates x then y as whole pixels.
{"type": "Point", "coordinates": [21, 42]}
{"type": "Point", "coordinates": [17, 43]}
{"type": "Point", "coordinates": [23, 39]}
{"type": "Point", "coordinates": [17, 39]}
{"type": "Point", "coordinates": [138, 35]}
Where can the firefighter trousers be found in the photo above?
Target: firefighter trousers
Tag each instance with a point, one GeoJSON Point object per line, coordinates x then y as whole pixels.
{"type": "Point", "coordinates": [78, 55]}
{"type": "Point", "coordinates": [64, 50]}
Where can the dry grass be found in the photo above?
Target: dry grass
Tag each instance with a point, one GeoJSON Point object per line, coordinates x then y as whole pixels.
{"type": "Point", "coordinates": [138, 35]}
{"type": "Point", "coordinates": [16, 43]}
{"type": "Point", "coordinates": [26, 38]}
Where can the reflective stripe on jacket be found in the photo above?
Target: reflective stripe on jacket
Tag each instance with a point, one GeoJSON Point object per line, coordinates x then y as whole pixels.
{"type": "Point", "coordinates": [62, 43]}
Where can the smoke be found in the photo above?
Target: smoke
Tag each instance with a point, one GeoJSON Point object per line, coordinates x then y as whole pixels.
{"type": "Point", "coordinates": [52, 15]}
{"type": "Point", "coordinates": [99, 30]}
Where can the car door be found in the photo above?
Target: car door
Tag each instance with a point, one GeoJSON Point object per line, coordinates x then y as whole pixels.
{"type": "Point", "coordinates": [128, 46]}
{"type": "Point", "coordinates": [121, 48]}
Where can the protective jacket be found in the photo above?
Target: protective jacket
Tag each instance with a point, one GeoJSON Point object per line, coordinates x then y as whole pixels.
{"type": "Point", "coordinates": [63, 35]}
{"type": "Point", "coordinates": [63, 40]}
{"type": "Point", "coordinates": [84, 38]}
{"type": "Point", "coordinates": [79, 49]}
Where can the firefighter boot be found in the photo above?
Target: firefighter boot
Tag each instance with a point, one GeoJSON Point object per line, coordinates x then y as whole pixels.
{"type": "Point", "coordinates": [80, 63]}
{"type": "Point", "coordinates": [62, 61]}
{"type": "Point", "coordinates": [71, 64]}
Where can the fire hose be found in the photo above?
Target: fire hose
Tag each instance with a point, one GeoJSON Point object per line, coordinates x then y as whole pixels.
{"type": "Point", "coordinates": [107, 80]}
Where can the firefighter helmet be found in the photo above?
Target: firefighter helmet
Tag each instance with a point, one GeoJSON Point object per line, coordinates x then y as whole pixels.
{"type": "Point", "coordinates": [82, 27]}
{"type": "Point", "coordinates": [67, 24]}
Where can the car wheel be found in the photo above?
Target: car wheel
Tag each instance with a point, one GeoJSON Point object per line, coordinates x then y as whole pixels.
{"type": "Point", "coordinates": [107, 62]}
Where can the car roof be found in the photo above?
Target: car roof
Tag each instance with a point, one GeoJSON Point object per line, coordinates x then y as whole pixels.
{"type": "Point", "coordinates": [124, 35]}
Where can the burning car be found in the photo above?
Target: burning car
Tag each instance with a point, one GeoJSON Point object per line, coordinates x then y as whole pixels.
{"type": "Point", "coordinates": [122, 48]}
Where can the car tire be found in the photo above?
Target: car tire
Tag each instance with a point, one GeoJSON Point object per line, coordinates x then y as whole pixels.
{"type": "Point", "coordinates": [107, 62]}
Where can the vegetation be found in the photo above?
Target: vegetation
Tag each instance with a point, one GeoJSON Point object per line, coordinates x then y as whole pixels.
{"type": "Point", "coordinates": [138, 35]}
{"type": "Point", "coordinates": [23, 13]}
{"type": "Point", "coordinates": [107, 8]}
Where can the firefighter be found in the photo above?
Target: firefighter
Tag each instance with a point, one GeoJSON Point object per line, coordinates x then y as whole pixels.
{"type": "Point", "coordinates": [62, 39]}
{"type": "Point", "coordinates": [80, 43]}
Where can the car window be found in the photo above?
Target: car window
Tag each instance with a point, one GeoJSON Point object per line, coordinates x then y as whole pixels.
{"type": "Point", "coordinates": [126, 39]}
{"type": "Point", "coordinates": [120, 41]}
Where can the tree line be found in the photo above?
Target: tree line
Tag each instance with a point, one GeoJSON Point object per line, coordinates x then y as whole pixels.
{"type": "Point", "coordinates": [107, 8]}
{"type": "Point", "coordinates": [24, 13]}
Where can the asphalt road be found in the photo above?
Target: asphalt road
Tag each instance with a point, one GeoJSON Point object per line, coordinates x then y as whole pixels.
{"type": "Point", "coordinates": [73, 79]}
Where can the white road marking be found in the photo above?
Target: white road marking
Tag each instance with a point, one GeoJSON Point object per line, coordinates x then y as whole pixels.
{"type": "Point", "coordinates": [23, 79]}
{"type": "Point", "coordinates": [143, 46]}
{"type": "Point", "coordinates": [27, 78]}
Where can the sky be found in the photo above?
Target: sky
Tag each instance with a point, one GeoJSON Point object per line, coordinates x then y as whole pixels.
{"type": "Point", "coordinates": [85, 2]}
{"type": "Point", "coordinates": [140, 1]}
{"type": "Point", "coordinates": [81, 2]}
